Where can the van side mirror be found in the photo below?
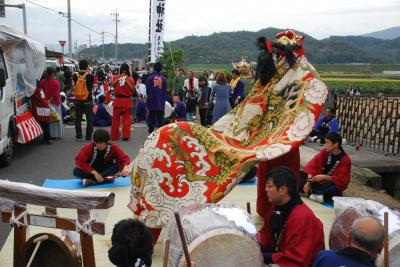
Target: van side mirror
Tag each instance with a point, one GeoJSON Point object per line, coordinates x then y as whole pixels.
{"type": "Point", "coordinates": [2, 78]}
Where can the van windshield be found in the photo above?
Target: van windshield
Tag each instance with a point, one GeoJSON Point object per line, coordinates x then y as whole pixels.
{"type": "Point", "coordinates": [51, 64]}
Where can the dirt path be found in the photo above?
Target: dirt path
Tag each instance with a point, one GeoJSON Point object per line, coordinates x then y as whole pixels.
{"type": "Point", "coordinates": [358, 189]}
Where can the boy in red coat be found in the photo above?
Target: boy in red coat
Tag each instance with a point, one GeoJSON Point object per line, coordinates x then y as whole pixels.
{"type": "Point", "coordinates": [291, 235]}
{"type": "Point", "coordinates": [122, 106]}
{"type": "Point", "coordinates": [100, 159]}
{"type": "Point", "coordinates": [328, 173]}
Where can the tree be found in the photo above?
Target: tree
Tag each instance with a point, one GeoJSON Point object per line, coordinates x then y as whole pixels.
{"type": "Point", "coordinates": [172, 60]}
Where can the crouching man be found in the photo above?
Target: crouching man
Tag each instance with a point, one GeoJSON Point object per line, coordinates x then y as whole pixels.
{"type": "Point", "coordinates": [291, 235]}
{"type": "Point", "coordinates": [100, 159]}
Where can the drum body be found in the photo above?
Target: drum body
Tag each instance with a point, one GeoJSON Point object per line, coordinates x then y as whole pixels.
{"type": "Point", "coordinates": [216, 236]}
{"type": "Point", "coordinates": [54, 251]}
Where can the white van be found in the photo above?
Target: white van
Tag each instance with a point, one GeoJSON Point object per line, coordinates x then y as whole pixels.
{"type": "Point", "coordinates": [22, 62]}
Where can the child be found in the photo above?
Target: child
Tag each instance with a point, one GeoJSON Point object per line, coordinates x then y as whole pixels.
{"type": "Point", "coordinates": [99, 159]}
{"type": "Point", "coordinates": [141, 111]}
{"type": "Point", "coordinates": [191, 104]}
{"type": "Point", "coordinates": [132, 245]}
{"type": "Point", "coordinates": [101, 117]}
{"type": "Point", "coordinates": [179, 109]}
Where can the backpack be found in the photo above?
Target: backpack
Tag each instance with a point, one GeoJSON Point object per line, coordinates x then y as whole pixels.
{"type": "Point", "coordinates": [81, 91]}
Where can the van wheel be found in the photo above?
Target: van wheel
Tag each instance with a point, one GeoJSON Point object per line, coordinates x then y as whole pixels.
{"type": "Point", "coordinates": [7, 156]}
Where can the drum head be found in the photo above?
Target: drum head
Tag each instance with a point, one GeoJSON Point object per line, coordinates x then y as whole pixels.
{"type": "Point", "coordinates": [52, 252]}
{"type": "Point", "coordinates": [224, 248]}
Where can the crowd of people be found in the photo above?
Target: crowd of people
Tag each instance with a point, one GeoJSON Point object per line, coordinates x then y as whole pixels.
{"type": "Point", "coordinates": [101, 97]}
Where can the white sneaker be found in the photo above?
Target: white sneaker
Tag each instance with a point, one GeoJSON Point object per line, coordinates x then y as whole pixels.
{"type": "Point", "coordinates": [313, 138]}
{"type": "Point", "coordinates": [317, 198]}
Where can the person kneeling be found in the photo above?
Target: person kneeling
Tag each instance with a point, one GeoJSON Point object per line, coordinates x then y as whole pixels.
{"type": "Point", "coordinates": [328, 173]}
{"type": "Point", "coordinates": [291, 235]}
{"type": "Point", "coordinates": [100, 159]}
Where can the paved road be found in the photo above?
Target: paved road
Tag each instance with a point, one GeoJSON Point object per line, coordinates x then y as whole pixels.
{"type": "Point", "coordinates": [35, 162]}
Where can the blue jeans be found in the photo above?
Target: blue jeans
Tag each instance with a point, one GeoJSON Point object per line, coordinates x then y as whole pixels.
{"type": "Point", "coordinates": [108, 171]}
{"type": "Point", "coordinates": [328, 189]}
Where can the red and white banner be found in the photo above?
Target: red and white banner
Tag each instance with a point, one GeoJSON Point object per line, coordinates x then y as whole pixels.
{"type": "Point", "coordinates": [28, 128]}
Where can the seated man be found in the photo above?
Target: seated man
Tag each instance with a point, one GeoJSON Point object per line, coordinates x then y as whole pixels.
{"type": "Point", "coordinates": [367, 235]}
{"type": "Point", "coordinates": [100, 159]}
{"type": "Point", "coordinates": [292, 235]}
{"type": "Point", "coordinates": [179, 109]}
{"type": "Point", "coordinates": [328, 173]}
{"type": "Point", "coordinates": [101, 117]}
{"type": "Point", "coordinates": [325, 125]}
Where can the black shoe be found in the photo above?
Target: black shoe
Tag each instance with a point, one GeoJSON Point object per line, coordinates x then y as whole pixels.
{"type": "Point", "coordinates": [47, 142]}
{"type": "Point", "coordinates": [125, 139]}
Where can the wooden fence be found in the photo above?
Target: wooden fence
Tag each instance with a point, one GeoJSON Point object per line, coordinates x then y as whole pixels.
{"type": "Point", "coordinates": [371, 122]}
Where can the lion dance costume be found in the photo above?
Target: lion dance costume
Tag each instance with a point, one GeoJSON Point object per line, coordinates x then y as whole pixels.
{"type": "Point", "coordinates": [184, 163]}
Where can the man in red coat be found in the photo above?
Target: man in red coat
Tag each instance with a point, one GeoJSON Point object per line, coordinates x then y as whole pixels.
{"type": "Point", "coordinates": [124, 87]}
{"type": "Point", "coordinates": [328, 173]}
{"type": "Point", "coordinates": [100, 159]}
{"type": "Point", "coordinates": [291, 160]}
{"type": "Point", "coordinates": [292, 235]}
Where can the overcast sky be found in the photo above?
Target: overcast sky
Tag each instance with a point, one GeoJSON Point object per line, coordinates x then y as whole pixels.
{"type": "Point", "coordinates": [319, 18]}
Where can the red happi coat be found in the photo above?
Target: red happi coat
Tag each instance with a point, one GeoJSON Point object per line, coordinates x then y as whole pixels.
{"type": "Point", "coordinates": [39, 106]}
{"type": "Point", "coordinates": [85, 157]}
{"type": "Point", "coordinates": [302, 238]}
{"type": "Point", "coordinates": [341, 173]}
{"type": "Point", "coordinates": [291, 160]}
{"type": "Point", "coordinates": [125, 91]}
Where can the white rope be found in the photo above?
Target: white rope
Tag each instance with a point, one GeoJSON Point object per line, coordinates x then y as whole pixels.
{"type": "Point", "coordinates": [85, 227]}
{"type": "Point", "coordinates": [16, 221]}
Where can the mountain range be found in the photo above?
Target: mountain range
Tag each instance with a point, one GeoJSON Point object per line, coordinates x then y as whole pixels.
{"type": "Point", "coordinates": [387, 34]}
{"type": "Point", "coordinates": [227, 47]}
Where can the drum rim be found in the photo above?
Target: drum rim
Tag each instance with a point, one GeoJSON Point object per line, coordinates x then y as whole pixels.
{"type": "Point", "coordinates": [216, 233]}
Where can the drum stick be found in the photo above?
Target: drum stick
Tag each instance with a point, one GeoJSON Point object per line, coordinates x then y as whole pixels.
{"type": "Point", "coordinates": [38, 241]}
{"type": "Point", "coordinates": [166, 253]}
{"type": "Point", "coordinates": [183, 239]}
{"type": "Point", "coordinates": [386, 240]}
{"type": "Point", "coordinates": [248, 208]}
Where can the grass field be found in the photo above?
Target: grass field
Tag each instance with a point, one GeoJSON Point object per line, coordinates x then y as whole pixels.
{"type": "Point", "coordinates": [321, 68]}
{"type": "Point", "coordinates": [367, 82]}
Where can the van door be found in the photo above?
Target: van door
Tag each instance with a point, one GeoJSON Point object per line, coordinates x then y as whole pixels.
{"type": "Point", "coordinates": [6, 105]}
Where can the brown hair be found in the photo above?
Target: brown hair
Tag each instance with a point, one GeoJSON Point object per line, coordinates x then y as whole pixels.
{"type": "Point", "coordinates": [221, 78]}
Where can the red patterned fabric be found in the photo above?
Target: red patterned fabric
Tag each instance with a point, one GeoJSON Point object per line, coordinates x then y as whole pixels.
{"type": "Point", "coordinates": [28, 128]}
{"type": "Point", "coordinates": [184, 163]}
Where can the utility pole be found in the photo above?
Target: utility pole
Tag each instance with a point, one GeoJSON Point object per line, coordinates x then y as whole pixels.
{"type": "Point", "coordinates": [76, 50]}
{"type": "Point", "coordinates": [69, 30]}
{"type": "Point", "coordinates": [23, 7]}
{"type": "Point", "coordinates": [116, 34]}
{"type": "Point", "coordinates": [102, 41]}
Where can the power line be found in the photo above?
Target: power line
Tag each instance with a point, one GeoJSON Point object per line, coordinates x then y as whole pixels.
{"type": "Point", "coordinates": [64, 15]}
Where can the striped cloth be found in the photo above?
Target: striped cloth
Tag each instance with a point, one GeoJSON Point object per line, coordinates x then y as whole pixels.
{"type": "Point", "coordinates": [28, 128]}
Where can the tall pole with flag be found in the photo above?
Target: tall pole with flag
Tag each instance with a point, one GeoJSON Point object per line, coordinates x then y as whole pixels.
{"type": "Point", "coordinates": [157, 9]}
